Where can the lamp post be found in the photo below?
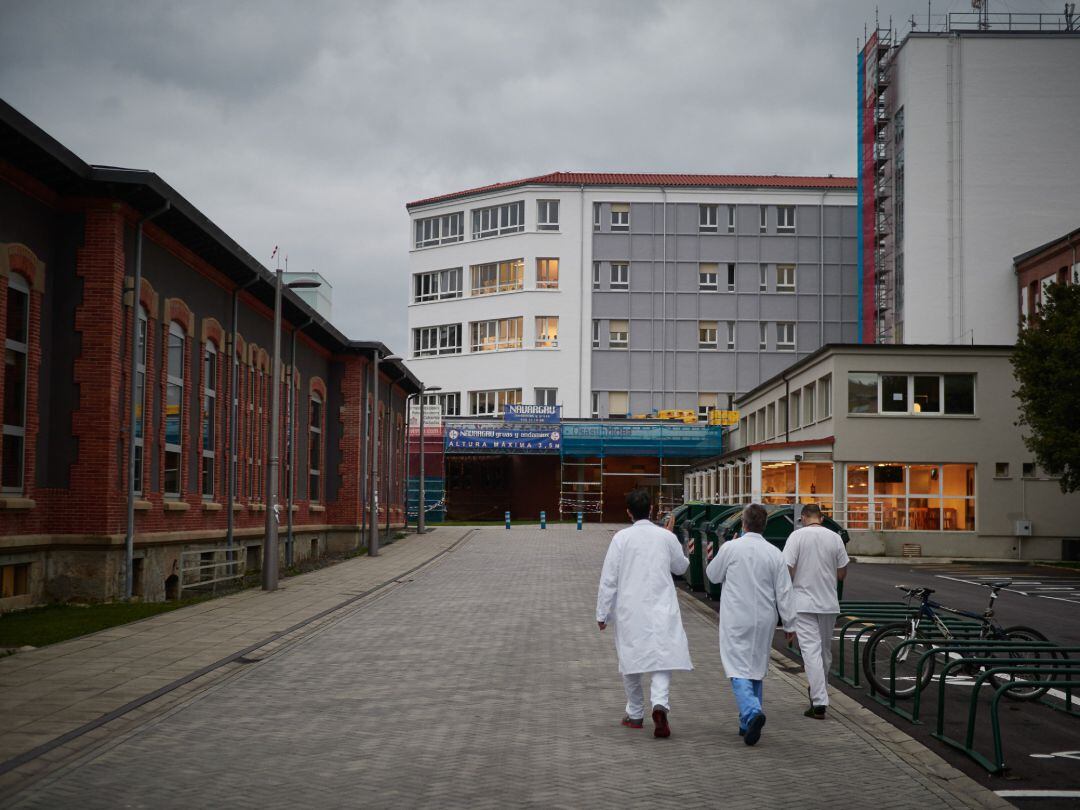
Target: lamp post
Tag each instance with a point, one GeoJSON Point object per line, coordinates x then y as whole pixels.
{"type": "Point", "coordinates": [420, 513]}
{"type": "Point", "coordinates": [373, 500]}
{"type": "Point", "coordinates": [273, 462]}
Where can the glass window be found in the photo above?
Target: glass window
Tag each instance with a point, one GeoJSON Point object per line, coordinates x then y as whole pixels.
{"type": "Point", "coordinates": [706, 403]}
{"type": "Point", "coordinates": [824, 391]}
{"type": "Point", "coordinates": [795, 412]}
{"type": "Point", "coordinates": [707, 274]}
{"type": "Point", "coordinates": [618, 403]}
{"type": "Point", "coordinates": [547, 331]}
{"type": "Point", "coordinates": [594, 405]}
{"type": "Point", "coordinates": [440, 230]}
{"type": "Point", "coordinates": [730, 335]}
{"type": "Point", "coordinates": [707, 218]}
{"type": "Point", "coordinates": [785, 278]}
{"type": "Point", "coordinates": [315, 448]}
{"type": "Point", "coordinates": [490, 336]}
{"type": "Point", "coordinates": [596, 217]}
{"type": "Point", "coordinates": [140, 401]}
{"type": "Point", "coordinates": [596, 334]}
{"type": "Point", "coordinates": [731, 219]}
{"type": "Point", "coordinates": [763, 337]}
{"type": "Point", "coordinates": [862, 392]}
{"type": "Point", "coordinates": [785, 219]}
{"type": "Point", "coordinates": [731, 277]}
{"type": "Point", "coordinates": [960, 393]}
{"type": "Point", "coordinates": [209, 416]}
{"type": "Point", "coordinates": [778, 482]}
{"type": "Point", "coordinates": [620, 216]}
{"type": "Point", "coordinates": [706, 334]}
{"type": "Point", "coordinates": [547, 274]}
{"type": "Point", "coordinates": [430, 341]}
{"type": "Point", "coordinates": [437, 285]}
{"type": "Point", "coordinates": [927, 396]}
{"type": "Point", "coordinates": [618, 334]}
{"type": "Point", "coordinates": [785, 337]}
{"type": "Point", "coordinates": [763, 278]}
{"type": "Point", "coordinates": [546, 396]}
{"type": "Point", "coordinates": [497, 220]}
{"type": "Point", "coordinates": [596, 275]}
{"type": "Point", "coordinates": [763, 219]}
{"type": "Point", "coordinates": [174, 409]}
{"type": "Point", "coordinates": [498, 277]}
{"type": "Point", "coordinates": [490, 403]}
{"type": "Point", "coordinates": [808, 405]}
{"type": "Point", "coordinates": [620, 276]}
{"type": "Point", "coordinates": [16, 353]}
{"type": "Point", "coordinates": [894, 393]}
{"type": "Point", "coordinates": [547, 215]}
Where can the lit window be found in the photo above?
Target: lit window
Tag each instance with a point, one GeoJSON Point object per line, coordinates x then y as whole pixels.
{"type": "Point", "coordinates": [916, 497]}
{"type": "Point", "coordinates": [785, 278]}
{"type": "Point", "coordinates": [496, 335]}
{"type": "Point", "coordinates": [930, 394]}
{"type": "Point", "coordinates": [785, 339]}
{"type": "Point", "coordinates": [707, 218]}
{"type": "Point", "coordinates": [547, 215]}
{"type": "Point", "coordinates": [16, 354]}
{"type": "Point", "coordinates": [546, 396]}
{"type": "Point", "coordinates": [620, 276]}
{"type": "Point", "coordinates": [174, 409]}
{"type": "Point", "coordinates": [497, 220]}
{"type": "Point", "coordinates": [315, 410]}
{"type": "Point", "coordinates": [498, 277]}
{"type": "Point", "coordinates": [547, 274]}
{"type": "Point", "coordinates": [14, 580]}
{"type": "Point", "coordinates": [429, 341]}
{"type": "Point", "coordinates": [731, 277]}
{"type": "Point", "coordinates": [547, 332]}
{"type": "Point", "coordinates": [706, 334]}
{"type": "Point", "coordinates": [437, 285]}
{"type": "Point", "coordinates": [618, 334]}
{"type": "Point", "coordinates": [620, 216]}
{"type": "Point", "coordinates": [707, 274]}
{"type": "Point", "coordinates": [209, 419]}
{"type": "Point", "coordinates": [440, 230]}
{"type": "Point", "coordinates": [785, 219]}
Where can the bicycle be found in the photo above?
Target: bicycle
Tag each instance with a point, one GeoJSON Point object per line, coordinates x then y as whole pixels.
{"type": "Point", "coordinates": [877, 655]}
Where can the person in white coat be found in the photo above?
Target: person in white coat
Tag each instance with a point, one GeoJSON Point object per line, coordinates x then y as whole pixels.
{"type": "Point", "coordinates": [756, 588]}
{"type": "Point", "coordinates": [817, 560]}
{"type": "Point", "coordinates": [638, 596]}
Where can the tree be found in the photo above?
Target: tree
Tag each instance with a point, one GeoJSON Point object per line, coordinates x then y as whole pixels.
{"type": "Point", "coordinates": [1046, 363]}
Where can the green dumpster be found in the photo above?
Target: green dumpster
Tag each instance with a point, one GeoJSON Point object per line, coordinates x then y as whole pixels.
{"type": "Point", "coordinates": [710, 539]}
{"type": "Point", "coordinates": [680, 514]}
{"type": "Point", "coordinates": [698, 513]}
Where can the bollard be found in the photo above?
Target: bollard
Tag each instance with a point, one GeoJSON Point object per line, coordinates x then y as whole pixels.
{"type": "Point", "coordinates": [507, 518]}
{"type": "Point", "coordinates": [543, 519]}
{"type": "Point", "coordinates": [579, 521]}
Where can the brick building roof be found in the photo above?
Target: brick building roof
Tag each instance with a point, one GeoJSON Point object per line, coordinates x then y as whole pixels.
{"type": "Point", "coordinates": [654, 180]}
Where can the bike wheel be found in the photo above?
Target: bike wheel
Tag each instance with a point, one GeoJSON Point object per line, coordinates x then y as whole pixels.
{"type": "Point", "coordinates": [877, 656]}
{"type": "Point", "coordinates": [1021, 633]}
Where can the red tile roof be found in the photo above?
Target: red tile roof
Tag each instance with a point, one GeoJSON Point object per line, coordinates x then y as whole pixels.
{"type": "Point", "coordinates": [654, 180]}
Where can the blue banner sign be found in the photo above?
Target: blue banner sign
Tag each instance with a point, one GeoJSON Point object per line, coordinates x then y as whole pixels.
{"type": "Point", "coordinates": [498, 438]}
{"type": "Point", "coordinates": [549, 414]}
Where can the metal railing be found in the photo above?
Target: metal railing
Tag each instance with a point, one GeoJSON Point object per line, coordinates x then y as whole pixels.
{"type": "Point", "coordinates": [202, 568]}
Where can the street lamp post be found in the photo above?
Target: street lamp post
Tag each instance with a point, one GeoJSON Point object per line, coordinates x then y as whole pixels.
{"type": "Point", "coordinates": [423, 505]}
{"type": "Point", "coordinates": [273, 462]}
{"type": "Point", "coordinates": [373, 500]}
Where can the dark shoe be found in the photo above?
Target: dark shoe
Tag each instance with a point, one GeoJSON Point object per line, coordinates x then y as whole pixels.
{"type": "Point", "coordinates": [633, 722]}
{"type": "Point", "coordinates": [753, 729]}
{"type": "Point", "coordinates": [660, 723]}
{"type": "Point", "coordinates": [742, 732]}
{"type": "Point", "coordinates": [817, 712]}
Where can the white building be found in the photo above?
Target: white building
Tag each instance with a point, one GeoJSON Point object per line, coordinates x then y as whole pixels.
{"type": "Point", "coordinates": [609, 294]}
{"type": "Point", "coordinates": [968, 157]}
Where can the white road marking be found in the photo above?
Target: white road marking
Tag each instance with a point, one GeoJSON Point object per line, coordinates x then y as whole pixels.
{"type": "Point", "coordinates": [970, 582]}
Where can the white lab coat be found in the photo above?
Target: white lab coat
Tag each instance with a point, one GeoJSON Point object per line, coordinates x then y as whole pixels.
{"type": "Point", "coordinates": [637, 596]}
{"type": "Point", "coordinates": [756, 587]}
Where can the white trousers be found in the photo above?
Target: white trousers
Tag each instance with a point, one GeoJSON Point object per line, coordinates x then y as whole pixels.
{"type": "Point", "coordinates": [815, 633]}
{"type": "Point", "coordinates": [659, 687]}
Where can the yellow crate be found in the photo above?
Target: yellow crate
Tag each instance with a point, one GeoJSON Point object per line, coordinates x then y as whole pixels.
{"type": "Point", "coordinates": [725, 418]}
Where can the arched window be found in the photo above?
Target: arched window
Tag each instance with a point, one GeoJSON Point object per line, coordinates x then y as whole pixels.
{"type": "Point", "coordinates": [315, 448]}
{"type": "Point", "coordinates": [250, 454]}
{"type": "Point", "coordinates": [140, 399]}
{"type": "Point", "coordinates": [174, 409]}
{"type": "Point", "coordinates": [16, 354]}
{"type": "Point", "coordinates": [209, 420]}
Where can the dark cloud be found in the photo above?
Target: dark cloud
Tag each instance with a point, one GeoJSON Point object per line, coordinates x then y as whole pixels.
{"type": "Point", "coordinates": [310, 125]}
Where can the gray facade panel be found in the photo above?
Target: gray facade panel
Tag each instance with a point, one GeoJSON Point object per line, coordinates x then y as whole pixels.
{"type": "Point", "coordinates": [810, 307]}
{"type": "Point", "coordinates": [807, 279]}
{"type": "Point", "coordinates": [778, 308]}
{"type": "Point", "coordinates": [717, 306]}
{"type": "Point", "coordinates": [717, 248]}
{"type": "Point", "coordinates": [686, 247]}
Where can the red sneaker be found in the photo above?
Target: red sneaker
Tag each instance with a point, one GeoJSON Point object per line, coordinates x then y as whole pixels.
{"type": "Point", "coordinates": [631, 722]}
{"type": "Point", "coordinates": [660, 723]}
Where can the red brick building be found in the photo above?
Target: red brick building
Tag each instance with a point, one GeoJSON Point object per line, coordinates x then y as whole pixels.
{"type": "Point", "coordinates": [1056, 261]}
{"type": "Point", "coordinates": [68, 234]}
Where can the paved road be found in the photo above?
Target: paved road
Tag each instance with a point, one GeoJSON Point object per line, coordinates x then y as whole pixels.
{"type": "Point", "coordinates": [484, 682]}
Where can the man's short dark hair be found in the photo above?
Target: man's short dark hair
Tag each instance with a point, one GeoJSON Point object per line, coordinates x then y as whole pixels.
{"type": "Point", "coordinates": [811, 510]}
{"type": "Point", "coordinates": [639, 503]}
{"type": "Point", "coordinates": [754, 517]}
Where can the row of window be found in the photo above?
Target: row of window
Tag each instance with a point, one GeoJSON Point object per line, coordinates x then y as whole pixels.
{"type": "Point", "coordinates": [253, 407]}
{"type": "Point", "coordinates": [709, 335]}
{"type": "Point", "coordinates": [489, 402]}
{"type": "Point", "coordinates": [507, 218]}
{"type": "Point", "coordinates": [497, 334]}
{"type": "Point", "coordinates": [782, 277]}
{"type": "Point", "coordinates": [798, 409]}
{"type": "Point", "coordinates": [933, 394]}
{"type": "Point", "coordinates": [486, 279]}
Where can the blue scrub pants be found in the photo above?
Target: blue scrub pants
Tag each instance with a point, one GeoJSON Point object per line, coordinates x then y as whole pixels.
{"type": "Point", "coordinates": [748, 696]}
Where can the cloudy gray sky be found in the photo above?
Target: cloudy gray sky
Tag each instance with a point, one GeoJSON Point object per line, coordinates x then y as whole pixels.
{"type": "Point", "coordinates": [309, 125]}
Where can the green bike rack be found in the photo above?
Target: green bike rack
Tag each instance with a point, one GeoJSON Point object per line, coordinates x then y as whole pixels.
{"type": "Point", "coordinates": [995, 724]}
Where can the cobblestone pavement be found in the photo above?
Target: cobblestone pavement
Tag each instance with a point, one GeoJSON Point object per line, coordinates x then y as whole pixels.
{"type": "Point", "coordinates": [482, 681]}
